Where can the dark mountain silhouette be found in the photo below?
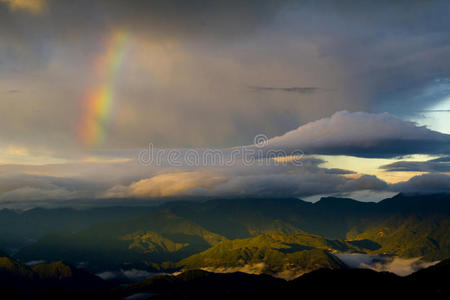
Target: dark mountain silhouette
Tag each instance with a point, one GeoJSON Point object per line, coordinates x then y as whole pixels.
{"type": "Point", "coordinates": [430, 283]}
{"type": "Point", "coordinates": [18, 281]}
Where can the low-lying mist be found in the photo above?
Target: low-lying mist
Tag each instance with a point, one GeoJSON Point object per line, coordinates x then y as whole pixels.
{"type": "Point", "coordinates": [394, 264]}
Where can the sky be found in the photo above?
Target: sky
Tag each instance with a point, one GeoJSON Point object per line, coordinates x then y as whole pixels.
{"type": "Point", "coordinates": [354, 95]}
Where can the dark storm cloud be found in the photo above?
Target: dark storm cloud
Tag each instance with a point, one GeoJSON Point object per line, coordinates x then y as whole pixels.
{"type": "Point", "coordinates": [295, 89]}
{"type": "Point", "coordinates": [30, 39]}
{"type": "Point", "coordinates": [435, 165]}
{"type": "Point", "coordinates": [375, 55]}
{"type": "Point", "coordinates": [196, 17]}
{"type": "Point", "coordinates": [394, 50]}
{"type": "Point", "coordinates": [355, 30]}
{"type": "Point", "coordinates": [426, 183]}
{"type": "Point", "coordinates": [338, 171]}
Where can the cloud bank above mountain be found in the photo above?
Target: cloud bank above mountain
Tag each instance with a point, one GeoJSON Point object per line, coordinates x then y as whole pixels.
{"type": "Point", "coordinates": [362, 135]}
{"type": "Point", "coordinates": [351, 134]}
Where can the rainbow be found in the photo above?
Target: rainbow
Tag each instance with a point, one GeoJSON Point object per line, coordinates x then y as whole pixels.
{"type": "Point", "coordinates": [98, 103]}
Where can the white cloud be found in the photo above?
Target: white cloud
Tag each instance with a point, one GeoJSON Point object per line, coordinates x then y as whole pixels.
{"type": "Point", "coordinates": [361, 134]}
{"type": "Point", "coordinates": [35, 262]}
{"type": "Point", "coordinates": [132, 274]}
{"type": "Point", "coordinates": [402, 266]}
{"type": "Point", "coordinates": [396, 265]}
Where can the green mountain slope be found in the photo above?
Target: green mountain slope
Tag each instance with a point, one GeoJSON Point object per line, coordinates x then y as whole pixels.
{"type": "Point", "coordinates": [144, 242]}
{"type": "Point", "coordinates": [411, 236]}
{"type": "Point", "coordinates": [19, 281]}
{"type": "Point", "coordinates": [21, 228]}
{"type": "Point", "coordinates": [11, 269]}
{"type": "Point", "coordinates": [283, 255]}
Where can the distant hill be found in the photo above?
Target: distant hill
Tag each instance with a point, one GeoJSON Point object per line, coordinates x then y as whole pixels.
{"type": "Point", "coordinates": [20, 281]}
{"type": "Point", "coordinates": [67, 276]}
{"type": "Point", "coordinates": [147, 241]}
{"type": "Point", "coordinates": [21, 228]}
{"type": "Point", "coordinates": [408, 236]}
{"type": "Point", "coordinates": [12, 271]}
{"type": "Point", "coordinates": [283, 255]}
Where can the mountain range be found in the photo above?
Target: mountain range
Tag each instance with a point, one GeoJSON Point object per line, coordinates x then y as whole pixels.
{"type": "Point", "coordinates": [280, 237]}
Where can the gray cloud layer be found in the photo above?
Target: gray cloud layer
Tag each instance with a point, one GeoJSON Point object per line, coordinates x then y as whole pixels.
{"type": "Point", "coordinates": [22, 190]}
{"type": "Point", "coordinates": [268, 180]}
{"type": "Point", "coordinates": [383, 56]}
{"type": "Point", "coordinates": [441, 164]}
{"type": "Point", "coordinates": [359, 134]}
{"type": "Point", "coordinates": [294, 89]}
